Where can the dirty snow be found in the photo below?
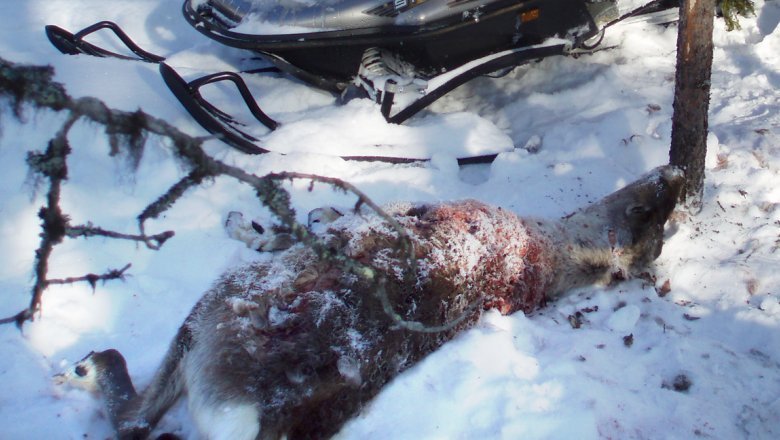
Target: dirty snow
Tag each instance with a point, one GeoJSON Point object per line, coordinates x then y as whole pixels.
{"type": "Point", "coordinates": [699, 361]}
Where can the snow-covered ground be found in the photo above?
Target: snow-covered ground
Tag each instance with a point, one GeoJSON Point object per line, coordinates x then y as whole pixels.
{"type": "Point", "coordinates": [704, 359]}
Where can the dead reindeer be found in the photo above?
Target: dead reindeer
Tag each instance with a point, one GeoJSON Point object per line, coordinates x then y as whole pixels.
{"type": "Point", "coordinates": [296, 347]}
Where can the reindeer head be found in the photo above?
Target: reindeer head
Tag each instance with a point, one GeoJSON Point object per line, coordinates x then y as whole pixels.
{"type": "Point", "coordinates": [102, 372]}
{"type": "Point", "coordinates": [626, 227]}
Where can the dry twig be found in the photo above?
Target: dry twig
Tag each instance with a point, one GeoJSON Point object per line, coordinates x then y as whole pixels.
{"type": "Point", "coordinates": [33, 86]}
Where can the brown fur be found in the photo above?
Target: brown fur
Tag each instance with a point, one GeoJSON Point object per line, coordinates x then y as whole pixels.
{"type": "Point", "coordinates": [307, 345]}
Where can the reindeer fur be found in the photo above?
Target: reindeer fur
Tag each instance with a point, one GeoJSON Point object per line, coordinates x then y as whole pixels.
{"type": "Point", "coordinates": [296, 347]}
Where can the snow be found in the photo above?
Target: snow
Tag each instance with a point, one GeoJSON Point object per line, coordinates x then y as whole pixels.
{"type": "Point", "coordinates": [703, 360]}
{"type": "Point", "coordinates": [255, 23]}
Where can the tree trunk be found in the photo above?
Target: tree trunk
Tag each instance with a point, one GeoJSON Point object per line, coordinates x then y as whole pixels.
{"type": "Point", "coordinates": [692, 96]}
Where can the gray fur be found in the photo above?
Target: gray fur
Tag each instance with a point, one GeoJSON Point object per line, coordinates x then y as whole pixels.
{"type": "Point", "coordinates": [296, 347]}
{"type": "Point", "coordinates": [619, 234]}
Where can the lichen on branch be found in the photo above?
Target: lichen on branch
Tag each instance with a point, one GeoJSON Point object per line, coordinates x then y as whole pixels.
{"type": "Point", "coordinates": [128, 132]}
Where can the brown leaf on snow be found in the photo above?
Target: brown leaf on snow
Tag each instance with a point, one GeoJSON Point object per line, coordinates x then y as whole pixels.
{"type": "Point", "coordinates": [723, 161]}
{"type": "Point", "coordinates": [664, 289]}
{"type": "Point", "coordinates": [768, 207]}
{"type": "Point", "coordinates": [762, 162]}
{"type": "Point", "coordinates": [752, 286]}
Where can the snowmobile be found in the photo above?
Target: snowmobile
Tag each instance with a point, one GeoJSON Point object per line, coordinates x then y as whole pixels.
{"type": "Point", "coordinates": [403, 54]}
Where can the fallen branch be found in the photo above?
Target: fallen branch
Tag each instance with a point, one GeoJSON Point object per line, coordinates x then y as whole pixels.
{"type": "Point", "coordinates": [91, 278]}
{"type": "Point", "coordinates": [33, 85]}
{"type": "Point", "coordinates": [88, 230]}
{"type": "Point", "coordinates": [52, 164]}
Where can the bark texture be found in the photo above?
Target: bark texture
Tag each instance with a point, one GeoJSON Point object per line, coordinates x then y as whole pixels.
{"type": "Point", "coordinates": [692, 96]}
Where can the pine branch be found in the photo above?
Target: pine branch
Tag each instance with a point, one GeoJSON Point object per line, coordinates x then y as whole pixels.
{"type": "Point", "coordinates": [91, 278]}
{"type": "Point", "coordinates": [34, 86]}
{"type": "Point", "coordinates": [173, 194]}
{"type": "Point", "coordinates": [54, 221]}
{"type": "Point", "coordinates": [733, 9]}
{"type": "Point", "coordinates": [88, 230]}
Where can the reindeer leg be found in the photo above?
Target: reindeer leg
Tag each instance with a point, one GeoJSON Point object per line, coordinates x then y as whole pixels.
{"type": "Point", "coordinates": [142, 413]}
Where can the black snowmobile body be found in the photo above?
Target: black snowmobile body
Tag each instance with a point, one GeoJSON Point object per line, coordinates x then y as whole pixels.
{"type": "Point", "coordinates": [434, 36]}
{"type": "Point", "coordinates": [403, 54]}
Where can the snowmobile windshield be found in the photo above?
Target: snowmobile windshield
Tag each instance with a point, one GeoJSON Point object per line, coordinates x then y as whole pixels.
{"type": "Point", "coordinates": [264, 17]}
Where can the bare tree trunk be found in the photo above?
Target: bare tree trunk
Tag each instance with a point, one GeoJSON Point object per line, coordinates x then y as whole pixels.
{"type": "Point", "coordinates": [692, 96]}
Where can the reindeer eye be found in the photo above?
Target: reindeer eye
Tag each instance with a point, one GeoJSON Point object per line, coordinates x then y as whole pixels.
{"type": "Point", "coordinates": [81, 371]}
{"type": "Point", "coordinates": [637, 210]}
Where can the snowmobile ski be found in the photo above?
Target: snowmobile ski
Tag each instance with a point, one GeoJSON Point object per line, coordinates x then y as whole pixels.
{"type": "Point", "coordinates": [322, 42]}
{"type": "Point", "coordinates": [222, 125]}
{"type": "Point", "coordinates": [229, 130]}
{"type": "Point", "coordinates": [402, 54]}
{"type": "Point", "coordinates": [74, 44]}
